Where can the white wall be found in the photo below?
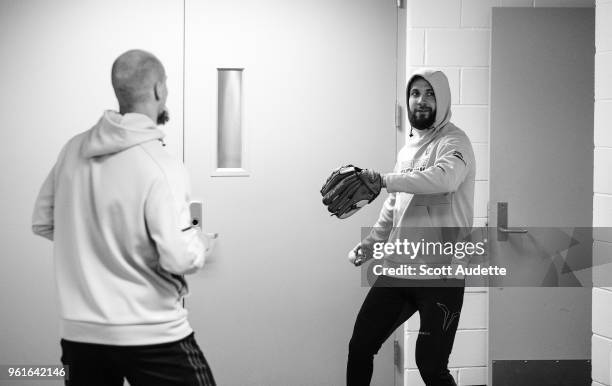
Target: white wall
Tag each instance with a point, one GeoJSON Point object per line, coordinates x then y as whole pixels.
{"type": "Point", "coordinates": [55, 82]}
{"type": "Point", "coordinates": [454, 35]}
{"type": "Point", "coordinates": [602, 199]}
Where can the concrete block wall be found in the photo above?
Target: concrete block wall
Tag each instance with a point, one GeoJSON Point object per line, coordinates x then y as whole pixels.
{"type": "Point", "coordinates": [455, 35]}
{"type": "Point", "coordinates": [602, 198]}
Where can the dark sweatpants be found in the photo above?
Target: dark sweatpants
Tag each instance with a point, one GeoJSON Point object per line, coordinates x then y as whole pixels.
{"type": "Point", "coordinates": [175, 363]}
{"type": "Point", "coordinates": [390, 303]}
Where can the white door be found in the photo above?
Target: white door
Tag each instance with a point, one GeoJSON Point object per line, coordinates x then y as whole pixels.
{"type": "Point", "coordinates": [317, 88]}
{"type": "Point", "coordinates": [542, 70]}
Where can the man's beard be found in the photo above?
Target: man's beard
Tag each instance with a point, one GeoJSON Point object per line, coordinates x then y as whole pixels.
{"type": "Point", "coordinates": [421, 123]}
{"type": "Point", "coordinates": [163, 117]}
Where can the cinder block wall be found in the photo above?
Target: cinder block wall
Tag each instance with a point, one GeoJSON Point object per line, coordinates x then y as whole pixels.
{"type": "Point", "coordinates": [454, 35]}
{"type": "Point", "coordinates": [602, 198]}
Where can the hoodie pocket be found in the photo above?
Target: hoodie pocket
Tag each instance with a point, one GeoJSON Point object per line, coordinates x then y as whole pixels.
{"type": "Point", "coordinates": [438, 208]}
{"type": "Point", "coordinates": [427, 220]}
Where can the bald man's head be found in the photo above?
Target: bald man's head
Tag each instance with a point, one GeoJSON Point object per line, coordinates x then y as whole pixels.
{"type": "Point", "coordinates": [139, 80]}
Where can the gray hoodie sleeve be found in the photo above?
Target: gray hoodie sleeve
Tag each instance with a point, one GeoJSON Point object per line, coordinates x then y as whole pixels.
{"type": "Point", "coordinates": [384, 225]}
{"type": "Point", "coordinates": [382, 229]}
{"type": "Point", "coordinates": [453, 161]}
{"type": "Point", "coordinates": [167, 214]}
{"type": "Point", "coordinates": [42, 218]}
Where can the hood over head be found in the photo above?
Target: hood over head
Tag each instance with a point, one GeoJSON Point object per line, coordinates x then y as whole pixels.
{"type": "Point", "coordinates": [115, 132]}
{"type": "Point", "coordinates": [441, 87]}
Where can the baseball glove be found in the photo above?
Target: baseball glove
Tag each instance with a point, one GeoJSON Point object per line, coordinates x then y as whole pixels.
{"type": "Point", "coordinates": [350, 188]}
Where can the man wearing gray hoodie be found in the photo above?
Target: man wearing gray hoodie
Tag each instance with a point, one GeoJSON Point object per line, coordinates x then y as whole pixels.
{"type": "Point", "coordinates": [115, 206]}
{"type": "Point", "coordinates": [431, 188]}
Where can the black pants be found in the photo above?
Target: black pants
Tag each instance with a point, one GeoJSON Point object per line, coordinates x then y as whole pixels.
{"type": "Point", "coordinates": [175, 363]}
{"type": "Point", "coordinates": [389, 304]}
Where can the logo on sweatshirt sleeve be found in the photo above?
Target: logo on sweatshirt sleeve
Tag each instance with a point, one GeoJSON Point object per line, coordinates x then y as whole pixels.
{"type": "Point", "coordinates": [458, 154]}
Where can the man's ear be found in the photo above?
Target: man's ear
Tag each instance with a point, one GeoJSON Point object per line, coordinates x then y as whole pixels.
{"type": "Point", "coordinates": [158, 90]}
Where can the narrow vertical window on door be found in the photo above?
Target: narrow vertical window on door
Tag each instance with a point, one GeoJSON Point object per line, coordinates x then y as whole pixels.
{"type": "Point", "coordinates": [230, 134]}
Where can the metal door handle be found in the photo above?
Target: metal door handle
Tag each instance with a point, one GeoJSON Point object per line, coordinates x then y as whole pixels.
{"type": "Point", "coordinates": [502, 223]}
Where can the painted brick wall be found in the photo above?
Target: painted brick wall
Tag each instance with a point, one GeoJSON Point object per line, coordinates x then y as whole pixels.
{"type": "Point", "coordinates": [602, 198]}
{"type": "Point", "coordinates": [454, 35]}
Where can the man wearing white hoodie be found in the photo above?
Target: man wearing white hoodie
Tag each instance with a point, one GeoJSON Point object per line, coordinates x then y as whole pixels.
{"type": "Point", "coordinates": [115, 206]}
{"type": "Point", "coordinates": [431, 191]}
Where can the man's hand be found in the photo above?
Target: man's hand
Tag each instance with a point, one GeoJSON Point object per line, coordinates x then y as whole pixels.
{"type": "Point", "coordinates": [210, 241]}
{"type": "Point", "coordinates": [357, 255]}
